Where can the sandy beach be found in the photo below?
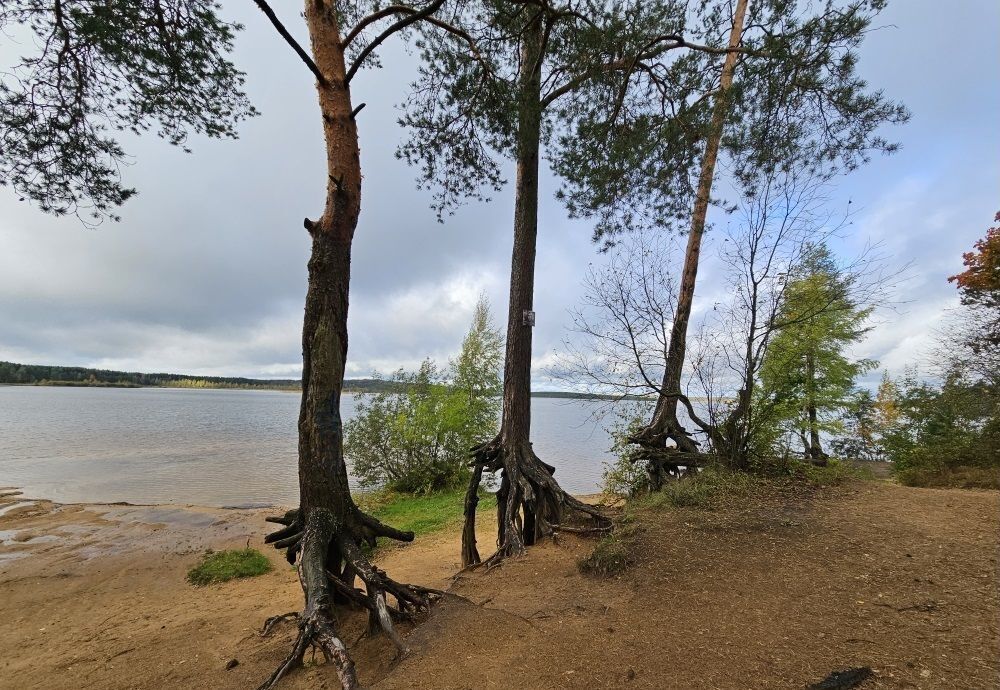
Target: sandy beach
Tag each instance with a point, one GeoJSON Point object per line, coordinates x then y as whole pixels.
{"type": "Point", "coordinates": [772, 594]}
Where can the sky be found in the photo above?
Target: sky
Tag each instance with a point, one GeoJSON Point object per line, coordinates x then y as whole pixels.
{"type": "Point", "coordinates": [206, 272]}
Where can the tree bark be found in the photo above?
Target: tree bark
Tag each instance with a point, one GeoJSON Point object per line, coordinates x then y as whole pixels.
{"type": "Point", "coordinates": [325, 533]}
{"type": "Point", "coordinates": [530, 502]}
{"type": "Point", "coordinates": [814, 451]}
{"type": "Point", "coordinates": [664, 423]}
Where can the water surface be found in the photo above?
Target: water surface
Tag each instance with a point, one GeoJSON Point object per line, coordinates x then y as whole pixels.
{"type": "Point", "coordinates": [210, 447]}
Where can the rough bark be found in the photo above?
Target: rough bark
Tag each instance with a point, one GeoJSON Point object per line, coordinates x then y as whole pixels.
{"type": "Point", "coordinates": [664, 424]}
{"type": "Point", "coordinates": [813, 449]}
{"type": "Point", "coordinates": [325, 534]}
{"type": "Point", "coordinates": [530, 503]}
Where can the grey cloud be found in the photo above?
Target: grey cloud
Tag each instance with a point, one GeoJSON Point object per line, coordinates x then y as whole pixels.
{"type": "Point", "coordinates": [206, 273]}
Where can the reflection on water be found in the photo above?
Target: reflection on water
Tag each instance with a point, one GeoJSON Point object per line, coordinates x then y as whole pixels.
{"type": "Point", "coordinates": [209, 447]}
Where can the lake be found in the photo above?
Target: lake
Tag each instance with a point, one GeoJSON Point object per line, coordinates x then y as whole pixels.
{"type": "Point", "coordinates": [211, 447]}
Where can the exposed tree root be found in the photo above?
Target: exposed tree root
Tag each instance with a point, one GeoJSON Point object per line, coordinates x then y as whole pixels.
{"type": "Point", "coordinates": [330, 559]}
{"type": "Point", "coordinates": [271, 623]}
{"type": "Point", "coordinates": [666, 463]}
{"type": "Point", "coordinates": [530, 502]}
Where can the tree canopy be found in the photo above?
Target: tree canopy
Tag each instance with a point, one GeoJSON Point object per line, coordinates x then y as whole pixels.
{"type": "Point", "coordinates": [796, 102]}
{"type": "Point", "coordinates": [100, 70]}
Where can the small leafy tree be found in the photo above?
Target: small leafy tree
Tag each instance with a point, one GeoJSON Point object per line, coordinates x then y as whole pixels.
{"type": "Point", "coordinates": [415, 437]}
{"type": "Point", "coordinates": [807, 376]}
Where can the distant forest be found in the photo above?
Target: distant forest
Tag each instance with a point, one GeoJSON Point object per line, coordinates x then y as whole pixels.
{"type": "Point", "coordinates": [12, 373]}
{"type": "Point", "coordinates": [41, 375]}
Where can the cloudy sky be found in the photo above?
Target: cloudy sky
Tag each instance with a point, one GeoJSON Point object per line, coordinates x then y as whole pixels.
{"type": "Point", "coordinates": [206, 272]}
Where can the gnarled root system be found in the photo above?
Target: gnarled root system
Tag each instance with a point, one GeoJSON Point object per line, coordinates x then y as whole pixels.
{"type": "Point", "coordinates": [328, 551]}
{"type": "Point", "coordinates": [530, 503]}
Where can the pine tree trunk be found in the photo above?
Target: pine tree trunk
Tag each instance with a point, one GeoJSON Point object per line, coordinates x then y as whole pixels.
{"type": "Point", "coordinates": [529, 502]}
{"type": "Point", "coordinates": [664, 423]}
{"type": "Point", "coordinates": [516, 418]}
{"type": "Point", "coordinates": [325, 534]}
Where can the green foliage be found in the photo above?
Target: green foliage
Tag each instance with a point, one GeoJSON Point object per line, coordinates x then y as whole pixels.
{"type": "Point", "coordinates": [99, 69]}
{"type": "Point", "coordinates": [222, 566]}
{"type": "Point", "coordinates": [416, 436]}
{"type": "Point", "coordinates": [625, 477]}
{"type": "Point", "coordinates": [937, 430]}
{"type": "Point", "coordinates": [806, 377]}
{"type": "Point", "coordinates": [861, 430]}
{"type": "Point", "coordinates": [797, 103]}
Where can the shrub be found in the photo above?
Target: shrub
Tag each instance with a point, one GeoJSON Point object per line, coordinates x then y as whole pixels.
{"type": "Point", "coordinates": [625, 477]}
{"type": "Point", "coordinates": [951, 477]}
{"type": "Point", "coordinates": [415, 437]}
{"type": "Point", "coordinates": [222, 566]}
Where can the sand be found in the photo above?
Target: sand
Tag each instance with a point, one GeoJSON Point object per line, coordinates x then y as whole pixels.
{"type": "Point", "coordinates": [771, 594]}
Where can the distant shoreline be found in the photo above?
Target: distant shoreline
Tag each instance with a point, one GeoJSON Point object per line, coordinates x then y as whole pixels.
{"type": "Point", "coordinates": [348, 388]}
{"type": "Point", "coordinates": [14, 374]}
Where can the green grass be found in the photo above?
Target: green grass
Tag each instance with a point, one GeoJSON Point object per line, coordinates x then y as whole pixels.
{"type": "Point", "coordinates": [222, 566]}
{"type": "Point", "coordinates": [420, 514]}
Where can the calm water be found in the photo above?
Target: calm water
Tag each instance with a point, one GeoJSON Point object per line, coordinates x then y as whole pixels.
{"type": "Point", "coordinates": [209, 447]}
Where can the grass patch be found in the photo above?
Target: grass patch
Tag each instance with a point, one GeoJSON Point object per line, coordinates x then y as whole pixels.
{"type": "Point", "coordinates": [951, 477]}
{"type": "Point", "coordinates": [833, 473]}
{"type": "Point", "coordinates": [715, 487]}
{"type": "Point", "coordinates": [615, 552]}
{"type": "Point", "coordinates": [708, 489]}
{"type": "Point", "coordinates": [222, 566]}
{"type": "Point", "coordinates": [420, 514]}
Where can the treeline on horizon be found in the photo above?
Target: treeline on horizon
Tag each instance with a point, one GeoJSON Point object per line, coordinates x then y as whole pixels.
{"type": "Point", "coordinates": [12, 373]}
{"type": "Point", "coordinates": [42, 375]}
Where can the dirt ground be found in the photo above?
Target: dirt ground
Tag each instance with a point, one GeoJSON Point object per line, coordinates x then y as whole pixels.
{"type": "Point", "coordinates": [774, 593]}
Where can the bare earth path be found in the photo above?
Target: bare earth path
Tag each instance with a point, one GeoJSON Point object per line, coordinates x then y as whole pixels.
{"type": "Point", "coordinates": [768, 594]}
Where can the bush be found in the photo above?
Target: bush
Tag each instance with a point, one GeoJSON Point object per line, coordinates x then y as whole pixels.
{"type": "Point", "coordinates": [222, 566]}
{"type": "Point", "coordinates": [833, 473]}
{"type": "Point", "coordinates": [706, 489]}
{"type": "Point", "coordinates": [415, 437]}
{"type": "Point", "coordinates": [625, 477]}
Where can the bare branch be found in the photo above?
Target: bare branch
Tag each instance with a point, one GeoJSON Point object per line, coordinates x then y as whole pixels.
{"type": "Point", "coordinates": [290, 40]}
{"type": "Point", "coordinates": [398, 26]}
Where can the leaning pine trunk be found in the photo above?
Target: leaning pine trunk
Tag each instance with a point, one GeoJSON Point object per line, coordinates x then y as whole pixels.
{"type": "Point", "coordinates": [664, 423]}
